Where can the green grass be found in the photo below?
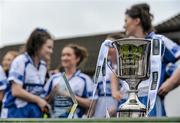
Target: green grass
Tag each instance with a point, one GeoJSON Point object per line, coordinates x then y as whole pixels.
{"type": "Point", "coordinates": [113, 120]}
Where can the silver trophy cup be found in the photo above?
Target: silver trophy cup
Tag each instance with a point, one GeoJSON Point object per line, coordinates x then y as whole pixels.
{"type": "Point", "coordinates": [133, 66]}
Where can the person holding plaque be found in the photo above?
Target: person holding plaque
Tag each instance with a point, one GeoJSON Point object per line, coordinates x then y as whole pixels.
{"type": "Point", "coordinates": [138, 23]}
{"type": "Point", "coordinates": [72, 56]}
{"type": "Point", "coordinates": [24, 94]}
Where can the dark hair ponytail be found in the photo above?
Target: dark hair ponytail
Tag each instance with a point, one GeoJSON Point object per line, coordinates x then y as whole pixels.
{"type": "Point", "coordinates": [141, 11]}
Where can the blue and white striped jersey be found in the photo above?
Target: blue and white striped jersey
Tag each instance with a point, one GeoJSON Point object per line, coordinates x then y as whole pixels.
{"type": "Point", "coordinates": [31, 78]}
{"type": "Point", "coordinates": [171, 67]}
{"type": "Point", "coordinates": [80, 83]}
{"type": "Point", "coordinates": [170, 52]}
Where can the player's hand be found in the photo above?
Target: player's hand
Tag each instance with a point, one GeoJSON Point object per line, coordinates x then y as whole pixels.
{"type": "Point", "coordinates": [44, 106]}
{"type": "Point", "coordinates": [116, 95]}
{"type": "Point", "coordinates": [165, 88]}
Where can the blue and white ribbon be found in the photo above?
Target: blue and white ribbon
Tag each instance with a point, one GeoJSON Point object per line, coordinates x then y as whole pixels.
{"type": "Point", "coordinates": [102, 66]}
{"type": "Point", "coordinates": [155, 73]}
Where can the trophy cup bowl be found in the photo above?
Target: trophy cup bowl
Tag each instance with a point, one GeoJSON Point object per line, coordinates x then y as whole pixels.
{"type": "Point", "coordinates": [133, 56]}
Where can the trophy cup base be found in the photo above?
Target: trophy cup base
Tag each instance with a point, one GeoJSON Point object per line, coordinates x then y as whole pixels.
{"type": "Point", "coordinates": [132, 108]}
{"type": "Point", "coordinates": [131, 113]}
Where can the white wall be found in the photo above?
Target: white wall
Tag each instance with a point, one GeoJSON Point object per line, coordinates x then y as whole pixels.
{"type": "Point", "coordinates": [172, 103]}
{"type": "Point", "coordinates": [1, 5]}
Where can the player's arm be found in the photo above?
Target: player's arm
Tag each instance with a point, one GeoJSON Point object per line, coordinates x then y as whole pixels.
{"type": "Point", "coordinates": [170, 83]}
{"type": "Point", "coordinates": [84, 102]}
{"type": "Point", "coordinates": [115, 88]}
{"type": "Point", "coordinates": [1, 95]}
{"type": "Point", "coordinates": [19, 92]}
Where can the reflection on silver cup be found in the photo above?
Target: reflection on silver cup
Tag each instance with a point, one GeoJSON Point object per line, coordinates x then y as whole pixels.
{"type": "Point", "coordinates": [133, 66]}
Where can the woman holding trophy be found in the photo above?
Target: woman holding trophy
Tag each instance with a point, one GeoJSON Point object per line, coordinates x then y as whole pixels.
{"type": "Point", "coordinates": [138, 24]}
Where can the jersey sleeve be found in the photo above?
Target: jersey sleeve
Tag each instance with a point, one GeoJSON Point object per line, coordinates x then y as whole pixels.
{"type": "Point", "coordinates": [79, 89]}
{"type": "Point", "coordinates": [51, 83]}
{"type": "Point", "coordinates": [90, 86]}
{"type": "Point", "coordinates": [17, 71]}
{"type": "Point", "coordinates": [171, 50]}
{"type": "Point", "coordinates": [3, 79]}
{"type": "Point", "coordinates": [48, 86]}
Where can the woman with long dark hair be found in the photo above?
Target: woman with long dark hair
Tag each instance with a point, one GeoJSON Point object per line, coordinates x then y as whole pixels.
{"type": "Point", "coordinates": [24, 93]}
{"type": "Point", "coordinates": [138, 24]}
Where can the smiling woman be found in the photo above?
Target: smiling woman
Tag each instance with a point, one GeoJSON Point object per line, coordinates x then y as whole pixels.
{"type": "Point", "coordinates": [27, 73]}
{"type": "Point", "coordinates": [72, 56]}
